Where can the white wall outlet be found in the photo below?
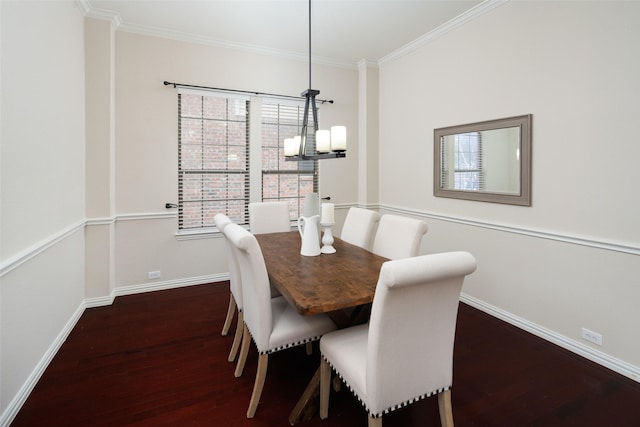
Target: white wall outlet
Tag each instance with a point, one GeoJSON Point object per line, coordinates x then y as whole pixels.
{"type": "Point", "coordinates": [153, 275]}
{"type": "Point", "coordinates": [594, 337]}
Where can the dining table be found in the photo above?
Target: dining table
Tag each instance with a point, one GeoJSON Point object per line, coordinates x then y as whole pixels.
{"type": "Point", "coordinates": [338, 284]}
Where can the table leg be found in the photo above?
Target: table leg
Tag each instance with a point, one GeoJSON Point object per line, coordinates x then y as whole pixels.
{"type": "Point", "coordinates": [360, 315]}
{"type": "Point", "coordinates": [308, 404]}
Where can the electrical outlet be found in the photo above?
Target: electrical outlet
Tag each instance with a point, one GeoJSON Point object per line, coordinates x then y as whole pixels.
{"type": "Point", "coordinates": [153, 275]}
{"type": "Point", "coordinates": [594, 337]}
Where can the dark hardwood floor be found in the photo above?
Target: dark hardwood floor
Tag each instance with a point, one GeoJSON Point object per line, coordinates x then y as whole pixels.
{"type": "Point", "coordinates": [158, 359]}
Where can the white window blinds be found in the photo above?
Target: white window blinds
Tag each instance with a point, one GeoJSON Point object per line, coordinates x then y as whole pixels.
{"type": "Point", "coordinates": [213, 158]}
{"type": "Point", "coordinates": [462, 161]}
{"type": "Point", "coordinates": [283, 180]}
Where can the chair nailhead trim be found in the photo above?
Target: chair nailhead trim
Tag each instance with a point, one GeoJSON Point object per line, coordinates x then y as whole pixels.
{"type": "Point", "coordinates": [294, 344]}
{"type": "Point", "coordinates": [391, 408]}
{"type": "Point", "coordinates": [282, 347]}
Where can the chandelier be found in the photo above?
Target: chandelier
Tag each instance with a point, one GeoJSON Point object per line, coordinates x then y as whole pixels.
{"type": "Point", "coordinates": [329, 144]}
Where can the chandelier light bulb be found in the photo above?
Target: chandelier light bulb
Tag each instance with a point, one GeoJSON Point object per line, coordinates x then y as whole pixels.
{"type": "Point", "coordinates": [338, 138]}
{"type": "Point", "coordinates": [323, 141]}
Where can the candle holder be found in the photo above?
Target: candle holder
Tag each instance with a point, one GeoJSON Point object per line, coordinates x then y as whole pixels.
{"type": "Point", "coordinates": [327, 238]}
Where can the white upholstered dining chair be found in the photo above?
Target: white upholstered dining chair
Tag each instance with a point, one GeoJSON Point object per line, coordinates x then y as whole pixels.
{"type": "Point", "coordinates": [359, 227]}
{"type": "Point", "coordinates": [398, 237]}
{"type": "Point", "coordinates": [269, 217]}
{"type": "Point", "coordinates": [405, 352]}
{"type": "Point", "coordinates": [272, 323]}
{"type": "Point", "coordinates": [221, 221]}
{"type": "Point", "coordinates": [235, 289]}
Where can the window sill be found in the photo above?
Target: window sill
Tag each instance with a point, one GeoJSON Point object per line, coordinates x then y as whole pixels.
{"type": "Point", "coordinates": [200, 233]}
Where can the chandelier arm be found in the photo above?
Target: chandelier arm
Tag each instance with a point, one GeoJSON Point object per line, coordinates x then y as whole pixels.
{"type": "Point", "coordinates": [314, 110]}
{"type": "Point", "coordinates": [303, 131]}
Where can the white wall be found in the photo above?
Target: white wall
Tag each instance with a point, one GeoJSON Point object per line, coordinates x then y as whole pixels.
{"type": "Point", "coordinates": [568, 261]}
{"type": "Point", "coordinates": [99, 38]}
{"type": "Point", "coordinates": [146, 144]}
{"type": "Point", "coordinates": [83, 222]}
{"type": "Point", "coordinates": [42, 186]}
{"type": "Point", "coordinates": [571, 259]}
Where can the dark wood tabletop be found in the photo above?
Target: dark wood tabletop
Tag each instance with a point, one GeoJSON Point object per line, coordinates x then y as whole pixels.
{"type": "Point", "coordinates": [323, 283]}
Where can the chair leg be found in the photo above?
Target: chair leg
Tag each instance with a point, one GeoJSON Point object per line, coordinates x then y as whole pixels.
{"type": "Point", "coordinates": [325, 380]}
{"type": "Point", "coordinates": [230, 312]}
{"type": "Point", "coordinates": [246, 343]}
{"type": "Point", "coordinates": [261, 374]}
{"type": "Point", "coordinates": [337, 384]}
{"type": "Point", "coordinates": [446, 411]}
{"type": "Point", "coordinates": [237, 338]}
{"type": "Point", "coordinates": [375, 422]}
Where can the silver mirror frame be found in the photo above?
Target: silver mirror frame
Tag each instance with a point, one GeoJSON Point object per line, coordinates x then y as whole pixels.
{"type": "Point", "coordinates": [523, 198]}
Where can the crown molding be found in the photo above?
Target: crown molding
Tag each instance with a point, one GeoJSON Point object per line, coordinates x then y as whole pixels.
{"type": "Point", "coordinates": [84, 6]}
{"type": "Point", "coordinates": [443, 29]}
{"type": "Point", "coordinates": [224, 44]}
{"type": "Point", "coordinates": [116, 21]}
{"type": "Point", "coordinates": [105, 15]}
{"type": "Point", "coordinates": [364, 64]}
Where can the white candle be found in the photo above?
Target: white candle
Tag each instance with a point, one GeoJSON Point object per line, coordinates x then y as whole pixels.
{"type": "Point", "coordinates": [327, 213]}
{"type": "Point", "coordinates": [323, 141]}
{"type": "Point", "coordinates": [290, 148]}
{"type": "Point", "coordinates": [338, 138]}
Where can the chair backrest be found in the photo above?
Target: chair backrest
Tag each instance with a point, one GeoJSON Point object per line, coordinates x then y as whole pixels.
{"type": "Point", "coordinates": [256, 290]}
{"type": "Point", "coordinates": [359, 227]}
{"type": "Point", "coordinates": [221, 221]}
{"type": "Point", "coordinates": [412, 327]}
{"type": "Point", "coordinates": [269, 217]}
{"type": "Point", "coordinates": [235, 281]}
{"type": "Point", "coordinates": [398, 237]}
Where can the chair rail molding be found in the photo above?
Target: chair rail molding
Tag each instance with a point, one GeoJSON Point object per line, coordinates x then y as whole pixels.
{"type": "Point", "coordinates": [37, 248]}
{"type": "Point", "coordinates": [34, 250]}
{"type": "Point", "coordinates": [541, 234]}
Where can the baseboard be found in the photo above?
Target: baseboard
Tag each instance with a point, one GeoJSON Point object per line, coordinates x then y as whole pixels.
{"type": "Point", "coordinates": [99, 301]}
{"type": "Point", "coordinates": [14, 406]}
{"type": "Point", "coordinates": [169, 284]}
{"type": "Point", "coordinates": [153, 286]}
{"type": "Point", "coordinates": [616, 365]}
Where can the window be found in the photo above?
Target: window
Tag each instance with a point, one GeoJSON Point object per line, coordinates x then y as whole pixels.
{"type": "Point", "coordinates": [467, 161]}
{"type": "Point", "coordinates": [213, 159]}
{"type": "Point", "coordinates": [284, 180]}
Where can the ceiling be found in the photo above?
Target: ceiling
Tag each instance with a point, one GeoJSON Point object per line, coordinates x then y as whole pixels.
{"type": "Point", "coordinates": [343, 31]}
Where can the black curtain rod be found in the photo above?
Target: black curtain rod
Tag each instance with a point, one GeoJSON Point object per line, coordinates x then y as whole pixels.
{"type": "Point", "coordinates": [166, 83]}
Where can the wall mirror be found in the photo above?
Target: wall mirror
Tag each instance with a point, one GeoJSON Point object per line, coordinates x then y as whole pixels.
{"type": "Point", "coordinates": [486, 161]}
